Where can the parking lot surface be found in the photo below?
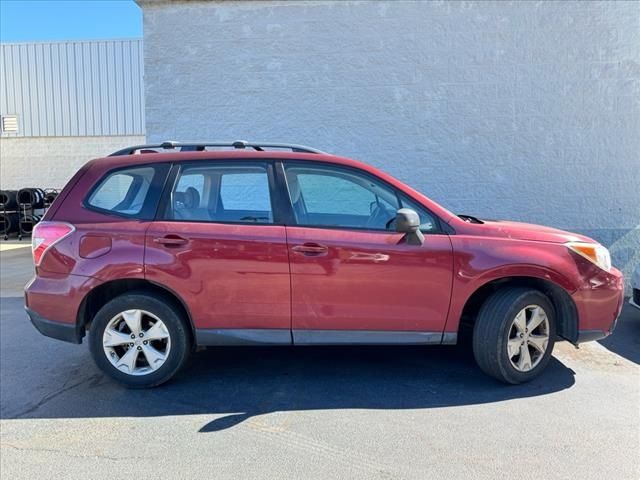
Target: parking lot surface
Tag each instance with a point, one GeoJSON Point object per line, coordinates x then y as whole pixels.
{"type": "Point", "coordinates": [348, 412]}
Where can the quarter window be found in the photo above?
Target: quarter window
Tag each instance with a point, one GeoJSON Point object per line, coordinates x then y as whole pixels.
{"type": "Point", "coordinates": [124, 191]}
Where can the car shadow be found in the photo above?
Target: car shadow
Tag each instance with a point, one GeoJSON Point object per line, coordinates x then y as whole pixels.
{"type": "Point", "coordinates": [386, 378]}
{"type": "Point", "coordinates": [52, 379]}
{"type": "Point", "coordinates": [625, 339]}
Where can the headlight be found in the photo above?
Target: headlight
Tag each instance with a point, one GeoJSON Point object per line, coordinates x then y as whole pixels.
{"type": "Point", "coordinates": [594, 252]}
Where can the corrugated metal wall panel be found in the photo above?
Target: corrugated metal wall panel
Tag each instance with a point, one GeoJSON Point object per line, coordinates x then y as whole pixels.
{"type": "Point", "coordinates": [91, 88]}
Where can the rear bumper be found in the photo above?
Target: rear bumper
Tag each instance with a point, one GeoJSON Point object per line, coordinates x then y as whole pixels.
{"type": "Point", "coordinates": [50, 328]}
{"type": "Point", "coordinates": [53, 301]}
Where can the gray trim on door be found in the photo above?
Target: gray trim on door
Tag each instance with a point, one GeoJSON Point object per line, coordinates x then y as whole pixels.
{"type": "Point", "coordinates": [365, 337]}
{"type": "Point", "coordinates": [267, 336]}
{"type": "Point", "coordinates": [449, 338]}
{"type": "Point", "coordinates": [242, 336]}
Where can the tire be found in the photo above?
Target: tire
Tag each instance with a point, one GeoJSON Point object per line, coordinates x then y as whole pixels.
{"type": "Point", "coordinates": [167, 346]}
{"type": "Point", "coordinates": [498, 339]}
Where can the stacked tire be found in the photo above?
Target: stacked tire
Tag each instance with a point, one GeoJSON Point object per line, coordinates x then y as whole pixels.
{"type": "Point", "coordinates": [31, 197]}
{"type": "Point", "coordinates": [8, 199]}
{"type": "Point", "coordinates": [27, 222]}
{"type": "Point", "coordinates": [21, 210]}
{"type": "Point", "coordinates": [50, 195]}
{"type": "Point", "coordinates": [9, 222]}
{"type": "Point", "coordinates": [9, 218]}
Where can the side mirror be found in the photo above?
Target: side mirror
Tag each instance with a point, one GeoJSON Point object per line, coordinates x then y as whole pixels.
{"type": "Point", "coordinates": [408, 222]}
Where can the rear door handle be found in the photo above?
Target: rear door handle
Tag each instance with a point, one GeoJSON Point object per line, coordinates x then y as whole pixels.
{"type": "Point", "coordinates": [171, 240]}
{"type": "Point", "coordinates": [310, 249]}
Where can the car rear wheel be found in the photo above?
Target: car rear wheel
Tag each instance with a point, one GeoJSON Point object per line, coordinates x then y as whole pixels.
{"type": "Point", "coordinates": [139, 340]}
{"type": "Point", "coordinates": [514, 334]}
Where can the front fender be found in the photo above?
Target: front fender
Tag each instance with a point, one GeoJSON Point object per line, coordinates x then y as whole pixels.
{"type": "Point", "coordinates": [479, 261]}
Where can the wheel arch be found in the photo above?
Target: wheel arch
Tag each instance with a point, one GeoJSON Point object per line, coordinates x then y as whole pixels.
{"type": "Point", "coordinates": [565, 308]}
{"type": "Point", "coordinates": [101, 294]}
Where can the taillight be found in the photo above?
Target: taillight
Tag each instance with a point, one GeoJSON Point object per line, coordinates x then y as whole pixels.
{"type": "Point", "coordinates": [45, 235]}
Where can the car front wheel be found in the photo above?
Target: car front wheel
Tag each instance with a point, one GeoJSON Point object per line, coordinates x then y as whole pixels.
{"type": "Point", "coordinates": [514, 334]}
{"type": "Point", "coordinates": [139, 340]}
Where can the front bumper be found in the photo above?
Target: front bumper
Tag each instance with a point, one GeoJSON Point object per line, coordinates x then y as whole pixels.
{"type": "Point", "coordinates": [599, 303]}
{"type": "Point", "coordinates": [50, 328]}
{"type": "Point", "coordinates": [592, 335]}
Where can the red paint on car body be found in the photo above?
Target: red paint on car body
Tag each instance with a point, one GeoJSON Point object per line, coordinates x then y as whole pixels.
{"type": "Point", "coordinates": [270, 277]}
{"type": "Point", "coordinates": [94, 246]}
{"type": "Point", "coordinates": [230, 276]}
{"type": "Point", "coordinates": [370, 281]}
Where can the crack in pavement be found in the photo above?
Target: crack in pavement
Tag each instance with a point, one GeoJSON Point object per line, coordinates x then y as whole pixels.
{"type": "Point", "coordinates": [69, 454]}
{"type": "Point", "coordinates": [50, 396]}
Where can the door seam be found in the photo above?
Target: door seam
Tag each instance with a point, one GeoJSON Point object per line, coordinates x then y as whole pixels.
{"type": "Point", "coordinates": [286, 238]}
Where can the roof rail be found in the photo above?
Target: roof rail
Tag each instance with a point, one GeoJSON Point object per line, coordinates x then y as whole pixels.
{"type": "Point", "coordinates": [201, 146]}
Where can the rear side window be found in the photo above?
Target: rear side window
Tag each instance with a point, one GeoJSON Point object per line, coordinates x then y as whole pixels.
{"type": "Point", "coordinates": [130, 192]}
{"type": "Point", "coordinates": [245, 191]}
{"type": "Point", "coordinates": [222, 192]}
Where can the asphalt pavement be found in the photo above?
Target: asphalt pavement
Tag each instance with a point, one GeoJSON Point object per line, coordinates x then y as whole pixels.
{"type": "Point", "coordinates": [314, 412]}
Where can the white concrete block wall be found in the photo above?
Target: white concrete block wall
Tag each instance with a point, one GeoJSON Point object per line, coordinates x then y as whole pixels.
{"type": "Point", "coordinates": [520, 110]}
{"type": "Point", "coordinates": [49, 162]}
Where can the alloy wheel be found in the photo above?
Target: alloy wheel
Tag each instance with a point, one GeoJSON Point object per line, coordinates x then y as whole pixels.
{"type": "Point", "coordinates": [528, 338]}
{"type": "Point", "coordinates": [136, 342]}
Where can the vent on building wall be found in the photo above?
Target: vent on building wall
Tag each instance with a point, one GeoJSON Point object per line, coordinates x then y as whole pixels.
{"type": "Point", "coordinates": [9, 123]}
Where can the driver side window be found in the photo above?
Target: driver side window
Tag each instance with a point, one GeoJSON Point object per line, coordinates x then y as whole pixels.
{"type": "Point", "coordinates": [330, 196]}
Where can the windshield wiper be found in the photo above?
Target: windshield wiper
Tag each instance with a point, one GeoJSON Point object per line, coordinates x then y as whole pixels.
{"type": "Point", "coordinates": [470, 219]}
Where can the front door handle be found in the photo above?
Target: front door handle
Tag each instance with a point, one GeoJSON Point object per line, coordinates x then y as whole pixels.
{"type": "Point", "coordinates": [171, 240]}
{"type": "Point", "coordinates": [310, 249]}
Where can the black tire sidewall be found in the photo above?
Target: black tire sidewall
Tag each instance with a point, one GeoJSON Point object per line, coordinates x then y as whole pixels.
{"type": "Point", "coordinates": [180, 345]}
{"type": "Point", "coordinates": [509, 371]}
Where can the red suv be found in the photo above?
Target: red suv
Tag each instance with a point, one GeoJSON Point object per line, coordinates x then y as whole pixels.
{"type": "Point", "coordinates": [158, 249]}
